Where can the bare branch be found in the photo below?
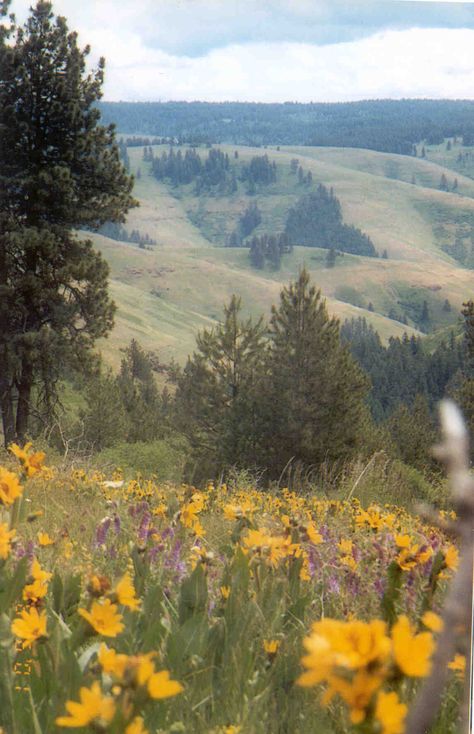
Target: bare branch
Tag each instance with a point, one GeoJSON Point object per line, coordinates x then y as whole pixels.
{"type": "Point", "coordinates": [455, 636]}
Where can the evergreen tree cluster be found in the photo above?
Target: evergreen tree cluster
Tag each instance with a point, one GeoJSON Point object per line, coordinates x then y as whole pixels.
{"type": "Point", "coordinates": [316, 221]}
{"type": "Point", "coordinates": [211, 173]}
{"type": "Point", "coordinates": [462, 249]}
{"type": "Point", "coordinates": [404, 369]}
{"type": "Point", "coordinates": [116, 231]}
{"type": "Point", "coordinates": [138, 141]}
{"type": "Point", "coordinates": [268, 250]}
{"type": "Point", "coordinates": [392, 126]}
{"type": "Point", "coordinates": [249, 220]}
{"type": "Point", "coordinates": [259, 171]}
{"type": "Point", "coordinates": [266, 396]}
{"type": "Point", "coordinates": [123, 408]}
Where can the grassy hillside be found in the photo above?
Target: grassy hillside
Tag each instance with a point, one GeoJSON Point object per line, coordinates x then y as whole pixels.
{"type": "Point", "coordinates": [167, 293]}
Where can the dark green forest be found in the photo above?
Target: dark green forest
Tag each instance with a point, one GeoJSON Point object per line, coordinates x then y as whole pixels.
{"type": "Point", "coordinates": [393, 126]}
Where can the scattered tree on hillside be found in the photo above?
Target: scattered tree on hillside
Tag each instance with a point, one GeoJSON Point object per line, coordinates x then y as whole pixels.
{"type": "Point", "coordinates": [268, 249]}
{"type": "Point", "coordinates": [60, 171]}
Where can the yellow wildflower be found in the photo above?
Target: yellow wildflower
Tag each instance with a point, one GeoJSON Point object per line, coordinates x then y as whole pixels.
{"type": "Point", "coordinates": [356, 693]}
{"type": "Point", "coordinates": [112, 662]}
{"type": "Point", "coordinates": [451, 557]}
{"type": "Point", "coordinates": [142, 667]}
{"type": "Point", "coordinates": [313, 535]}
{"type": "Point", "coordinates": [432, 621]}
{"type": "Point", "coordinates": [39, 586]}
{"type": "Point", "coordinates": [188, 514]}
{"type": "Point", "coordinates": [6, 537]}
{"type": "Point", "coordinates": [403, 541]}
{"type": "Point", "coordinates": [104, 618]}
{"type": "Point", "coordinates": [125, 592]}
{"type": "Point", "coordinates": [390, 713]}
{"type": "Point", "coordinates": [349, 561]}
{"type": "Point", "coordinates": [44, 539]}
{"type": "Point", "coordinates": [161, 686]}
{"type": "Point", "coordinates": [225, 591]}
{"type": "Point", "coordinates": [345, 546]}
{"type": "Point", "coordinates": [353, 645]}
{"type": "Point", "coordinates": [160, 510]}
{"type": "Point", "coordinates": [458, 664]}
{"type": "Point", "coordinates": [320, 661]}
{"type": "Point", "coordinates": [10, 487]}
{"type": "Point", "coordinates": [271, 646]}
{"type": "Point", "coordinates": [30, 626]}
{"type": "Point", "coordinates": [412, 652]}
{"type": "Point", "coordinates": [305, 570]}
{"type": "Point", "coordinates": [233, 512]}
{"type": "Point", "coordinates": [94, 708]}
{"type": "Point", "coordinates": [136, 726]}
{"type": "Point", "coordinates": [32, 462]}
{"type": "Point", "coordinates": [98, 585]}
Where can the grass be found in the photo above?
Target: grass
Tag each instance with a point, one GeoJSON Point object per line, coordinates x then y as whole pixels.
{"type": "Point", "coordinates": [167, 294]}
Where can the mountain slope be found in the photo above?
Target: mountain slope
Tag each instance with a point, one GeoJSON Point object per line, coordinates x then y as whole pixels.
{"type": "Point", "coordinates": [167, 293]}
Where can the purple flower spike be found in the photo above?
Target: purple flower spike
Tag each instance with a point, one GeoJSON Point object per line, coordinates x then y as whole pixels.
{"type": "Point", "coordinates": [101, 532]}
{"type": "Point", "coordinates": [144, 528]}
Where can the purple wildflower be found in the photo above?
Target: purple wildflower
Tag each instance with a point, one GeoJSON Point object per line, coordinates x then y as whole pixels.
{"type": "Point", "coordinates": [144, 528]}
{"type": "Point", "coordinates": [101, 532]}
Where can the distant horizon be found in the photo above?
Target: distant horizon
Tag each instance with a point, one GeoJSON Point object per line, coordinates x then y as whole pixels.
{"type": "Point", "coordinates": [290, 101]}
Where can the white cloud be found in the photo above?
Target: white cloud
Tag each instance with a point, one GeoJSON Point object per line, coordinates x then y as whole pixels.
{"type": "Point", "coordinates": [145, 61]}
{"type": "Point", "coordinates": [415, 63]}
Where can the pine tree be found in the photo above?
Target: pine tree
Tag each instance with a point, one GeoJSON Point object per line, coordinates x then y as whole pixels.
{"type": "Point", "coordinates": [60, 170]}
{"type": "Point", "coordinates": [103, 416]}
{"type": "Point", "coordinates": [468, 315]}
{"type": "Point", "coordinates": [215, 397]}
{"type": "Point", "coordinates": [140, 396]}
{"type": "Point", "coordinates": [313, 402]}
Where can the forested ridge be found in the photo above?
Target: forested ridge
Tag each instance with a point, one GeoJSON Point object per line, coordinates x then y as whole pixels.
{"type": "Point", "coordinates": [385, 125]}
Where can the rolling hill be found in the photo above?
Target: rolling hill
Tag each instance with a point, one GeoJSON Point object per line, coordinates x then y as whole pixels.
{"type": "Point", "coordinates": [166, 293]}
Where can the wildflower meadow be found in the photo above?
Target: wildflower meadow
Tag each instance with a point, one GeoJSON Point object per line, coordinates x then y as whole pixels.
{"type": "Point", "coordinates": [131, 606]}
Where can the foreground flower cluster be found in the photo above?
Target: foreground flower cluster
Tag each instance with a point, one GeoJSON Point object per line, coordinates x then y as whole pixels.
{"type": "Point", "coordinates": [138, 608]}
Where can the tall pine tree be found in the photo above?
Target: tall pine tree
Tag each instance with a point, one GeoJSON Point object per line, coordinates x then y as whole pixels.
{"type": "Point", "coordinates": [60, 171]}
{"type": "Point", "coordinates": [314, 399]}
{"type": "Point", "coordinates": [215, 404]}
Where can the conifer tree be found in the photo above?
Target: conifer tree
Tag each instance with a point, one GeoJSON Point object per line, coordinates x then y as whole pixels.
{"type": "Point", "coordinates": [60, 171]}
{"type": "Point", "coordinates": [140, 396]}
{"type": "Point", "coordinates": [215, 396]}
{"type": "Point", "coordinates": [313, 404]}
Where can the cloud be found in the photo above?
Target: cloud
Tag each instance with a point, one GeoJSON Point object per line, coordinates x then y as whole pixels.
{"type": "Point", "coordinates": [416, 63]}
{"type": "Point", "coordinates": [276, 50]}
{"type": "Point", "coordinates": [193, 27]}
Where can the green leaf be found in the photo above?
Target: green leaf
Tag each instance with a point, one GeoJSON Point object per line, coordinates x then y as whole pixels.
{"type": "Point", "coordinates": [193, 597]}
{"type": "Point", "coordinates": [12, 586]}
{"type": "Point", "coordinates": [392, 593]}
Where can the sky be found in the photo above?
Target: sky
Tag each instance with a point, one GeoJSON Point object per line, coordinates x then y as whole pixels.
{"type": "Point", "coordinates": [276, 50]}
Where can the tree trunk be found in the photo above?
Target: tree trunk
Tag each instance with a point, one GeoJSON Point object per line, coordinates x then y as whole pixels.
{"type": "Point", "coordinates": [24, 397]}
{"type": "Point", "coordinates": [6, 401]}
